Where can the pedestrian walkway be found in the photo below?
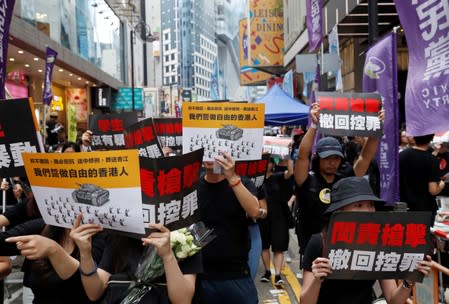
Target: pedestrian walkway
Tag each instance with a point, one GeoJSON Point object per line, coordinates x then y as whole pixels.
{"type": "Point", "coordinates": [291, 289]}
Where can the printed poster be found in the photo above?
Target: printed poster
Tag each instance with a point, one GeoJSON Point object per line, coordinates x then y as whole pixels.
{"type": "Point", "coordinates": [108, 129]}
{"type": "Point", "coordinates": [169, 132]}
{"type": "Point", "coordinates": [253, 169]}
{"type": "Point", "coordinates": [104, 186]}
{"type": "Point", "coordinates": [277, 146]}
{"type": "Point", "coordinates": [169, 189]}
{"type": "Point", "coordinates": [378, 245]}
{"type": "Point", "coordinates": [16, 135]}
{"type": "Point", "coordinates": [349, 114]}
{"type": "Point", "coordinates": [236, 128]}
{"type": "Point", "coordinates": [142, 136]}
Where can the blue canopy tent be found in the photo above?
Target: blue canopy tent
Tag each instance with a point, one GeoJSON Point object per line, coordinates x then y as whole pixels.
{"type": "Point", "coordinates": [281, 109]}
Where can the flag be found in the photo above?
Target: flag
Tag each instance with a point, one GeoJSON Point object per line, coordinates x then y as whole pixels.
{"type": "Point", "coordinates": [214, 91]}
{"type": "Point", "coordinates": [426, 26]}
{"type": "Point", "coordinates": [380, 75]}
{"type": "Point", "coordinates": [334, 48]}
{"type": "Point", "coordinates": [314, 21]}
{"type": "Point", "coordinates": [50, 58]}
{"type": "Point", "coordinates": [287, 83]}
{"type": "Point", "coordinates": [6, 8]}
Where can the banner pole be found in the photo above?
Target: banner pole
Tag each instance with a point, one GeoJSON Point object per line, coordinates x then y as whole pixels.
{"type": "Point", "coordinates": [4, 202]}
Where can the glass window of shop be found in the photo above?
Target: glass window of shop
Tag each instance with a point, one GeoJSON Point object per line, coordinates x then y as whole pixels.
{"type": "Point", "coordinates": [88, 28]}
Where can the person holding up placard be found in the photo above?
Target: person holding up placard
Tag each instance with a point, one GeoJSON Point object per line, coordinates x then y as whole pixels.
{"type": "Point", "coordinates": [348, 194]}
{"type": "Point", "coordinates": [313, 187]}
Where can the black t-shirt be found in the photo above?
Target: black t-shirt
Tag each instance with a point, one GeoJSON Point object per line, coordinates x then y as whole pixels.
{"type": "Point", "coordinates": [47, 286]}
{"type": "Point", "coordinates": [417, 168]}
{"type": "Point", "coordinates": [278, 190]}
{"type": "Point", "coordinates": [227, 255]}
{"type": "Point", "coordinates": [313, 198]}
{"type": "Point", "coordinates": [117, 291]}
{"type": "Point", "coordinates": [337, 291]}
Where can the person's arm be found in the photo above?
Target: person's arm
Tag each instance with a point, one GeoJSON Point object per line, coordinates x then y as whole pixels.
{"type": "Point", "coordinates": [5, 266]}
{"type": "Point", "coordinates": [395, 294]}
{"type": "Point", "coordinates": [305, 147]}
{"type": "Point", "coordinates": [94, 279]}
{"type": "Point", "coordinates": [290, 170]}
{"type": "Point", "coordinates": [35, 247]}
{"type": "Point", "coordinates": [181, 288]}
{"type": "Point", "coordinates": [263, 210]}
{"type": "Point", "coordinates": [436, 187]}
{"type": "Point", "coordinates": [312, 280]}
{"type": "Point", "coordinates": [3, 221]}
{"type": "Point", "coordinates": [246, 199]}
{"type": "Point", "coordinates": [367, 153]}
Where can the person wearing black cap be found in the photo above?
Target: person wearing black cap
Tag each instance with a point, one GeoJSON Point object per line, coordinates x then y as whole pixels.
{"type": "Point", "coordinates": [313, 188]}
{"type": "Point", "coordinates": [348, 194]}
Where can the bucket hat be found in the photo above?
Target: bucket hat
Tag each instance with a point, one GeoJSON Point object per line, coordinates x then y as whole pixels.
{"type": "Point", "coordinates": [350, 190]}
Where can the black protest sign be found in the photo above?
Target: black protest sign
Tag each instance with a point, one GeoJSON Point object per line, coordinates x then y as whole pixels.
{"type": "Point", "coordinates": [17, 134]}
{"type": "Point", "coordinates": [169, 189]}
{"type": "Point", "coordinates": [253, 169]}
{"type": "Point", "coordinates": [169, 132]}
{"type": "Point", "coordinates": [108, 129]}
{"type": "Point", "coordinates": [378, 245]}
{"type": "Point", "coordinates": [349, 114]}
{"type": "Point", "coordinates": [142, 136]}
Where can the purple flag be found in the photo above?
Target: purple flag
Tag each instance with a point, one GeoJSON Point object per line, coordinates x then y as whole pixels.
{"type": "Point", "coordinates": [314, 20]}
{"type": "Point", "coordinates": [380, 75]}
{"type": "Point", "coordinates": [50, 59]}
{"type": "Point", "coordinates": [426, 26]}
{"type": "Point", "coordinates": [6, 8]}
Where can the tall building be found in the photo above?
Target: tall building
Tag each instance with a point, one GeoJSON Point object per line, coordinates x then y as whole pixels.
{"type": "Point", "coordinates": [228, 14]}
{"type": "Point", "coordinates": [188, 47]}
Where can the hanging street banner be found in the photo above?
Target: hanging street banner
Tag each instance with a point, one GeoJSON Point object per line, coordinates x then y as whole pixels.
{"type": "Point", "coordinates": [71, 123]}
{"type": "Point", "coordinates": [104, 186]}
{"type": "Point", "coordinates": [380, 76]}
{"type": "Point", "coordinates": [253, 169]}
{"type": "Point", "coordinates": [50, 59]}
{"type": "Point", "coordinates": [6, 9]}
{"type": "Point", "coordinates": [248, 74]}
{"type": "Point", "coordinates": [426, 26]}
{"type": "Point", "coordinates": [266, 33]}
{"type": "Point", "coordinates": [334, 48]}
{"type": "Point", "coordinates": [314, 21]}
{"type": "Point", "coordinates": [378, 245]}
{"type": "Point", "coordinates": [169, 132]}
{"type": "Point", "coordinates": [108, 129]}
{"type": "Point", "coordinates": [349, 114]}
{"type": "Point", "coordinates": [17, 135]}
{"type": "Point", "coordinates": [236, 128]}
{"type": "Point", "coordinates": [142, 136]}
{"type": "Point", "coordinates": [169, 189]}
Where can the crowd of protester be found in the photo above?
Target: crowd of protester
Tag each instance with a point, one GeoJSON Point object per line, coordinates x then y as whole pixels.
{"type": "Point", "coordinates": [87, 265]}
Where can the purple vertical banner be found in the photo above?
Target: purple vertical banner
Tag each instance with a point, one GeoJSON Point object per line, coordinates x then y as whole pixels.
{"type": "Point", "coordinates": [50, 59]}
{"type": "Point", "coordinates": [426, 26]}
{"type": "Point", "coordinates": [380, 75]}
{"type": "Point", "coordinates": [314, 21]}
{"type": "Point", "coordinates": [6, 8]}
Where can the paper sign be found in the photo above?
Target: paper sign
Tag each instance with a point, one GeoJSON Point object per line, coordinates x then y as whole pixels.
{"type": "Point", "coordinates": [236, 128]}
{"type": "Point", "coordinates": [104, 186]}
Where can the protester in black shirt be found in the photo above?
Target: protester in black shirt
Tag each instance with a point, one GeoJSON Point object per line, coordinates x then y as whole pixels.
{"type": "Point", "coordinates": [313, 188]}
{"type": "Point", "coordinates": [419, 176]}
{"type": "Point", "coordinates": [225, 200]}
{"type": "Point", "coordinates": [51, 261]}
{"type": "Point", "coordinates": [348, 194]}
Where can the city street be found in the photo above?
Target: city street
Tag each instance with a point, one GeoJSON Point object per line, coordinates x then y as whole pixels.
{"type": "Point", "coordinates": [268, 293]}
